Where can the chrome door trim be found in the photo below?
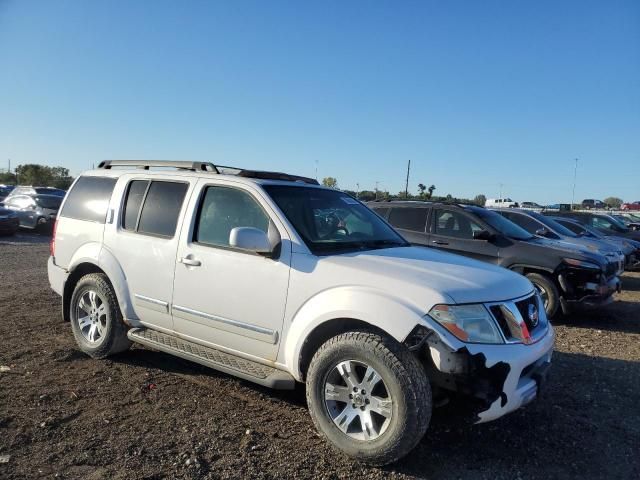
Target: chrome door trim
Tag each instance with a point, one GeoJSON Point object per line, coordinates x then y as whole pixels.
{"type": "Point", "coordinates": [250, 330]}
{"type": "Point", "coordinates": [152, 303]}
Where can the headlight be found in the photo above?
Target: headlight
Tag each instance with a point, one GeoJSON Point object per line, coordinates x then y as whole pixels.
{"type": "Point", "coordinates": [469, 323]}
{"type": "Point", "coordinates": [581, 264]}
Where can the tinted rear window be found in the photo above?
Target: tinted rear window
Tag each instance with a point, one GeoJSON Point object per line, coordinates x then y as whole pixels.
{"type": "Point", "coordinates": [48, 201]}
{"type": "Point", "coordinates": [161, 208]}
{"type": "Point", "coordinates": [409, 218]}
{"type": "Point", "coordinates": [89, 199]}
{"type": "Point", "coordinates": [135, 195]}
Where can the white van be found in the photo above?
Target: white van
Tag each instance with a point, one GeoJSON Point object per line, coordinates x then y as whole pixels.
{"type": "Point", "coordinates": [500, 203]}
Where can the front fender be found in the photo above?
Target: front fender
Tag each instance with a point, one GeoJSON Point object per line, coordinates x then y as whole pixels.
{"type": "Point", "coordinates": [95, 254]}
{"type": "Point", "coordinates": [375, 307]}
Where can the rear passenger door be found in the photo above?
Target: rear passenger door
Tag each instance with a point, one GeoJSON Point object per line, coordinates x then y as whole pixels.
{"type": "Point", "coordinates": [411, 223]}
{"type": "Point", "coordinates": [452, 230]}
{"type": "Point", "coordinates": [144, 239]}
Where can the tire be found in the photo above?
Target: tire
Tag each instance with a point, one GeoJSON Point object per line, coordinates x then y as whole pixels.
{"type": "Point", "coordinates": [99, 330]}
{"type": "Point", "coordinates": [549, 292]}
{"type": "Point", "coordinates": [403, 380]}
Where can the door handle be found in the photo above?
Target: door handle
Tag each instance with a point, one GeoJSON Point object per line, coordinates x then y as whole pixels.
{"type": "Point", "coordinates": [190, 262]}
{"type": "Point", "coordinates": [440, 242]}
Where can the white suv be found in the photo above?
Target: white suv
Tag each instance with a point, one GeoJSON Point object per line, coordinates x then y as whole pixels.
{"type": "Point", "coordinates": [277, 280]}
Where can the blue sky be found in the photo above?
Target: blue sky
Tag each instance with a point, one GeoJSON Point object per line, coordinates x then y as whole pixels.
{"type": "Point", "coordinates": [475, 93]}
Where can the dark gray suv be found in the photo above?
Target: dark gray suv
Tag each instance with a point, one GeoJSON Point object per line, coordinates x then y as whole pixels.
{"type": "Point", "coordinates": [566, 276]}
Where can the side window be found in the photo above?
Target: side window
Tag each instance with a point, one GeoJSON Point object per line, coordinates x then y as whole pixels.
{"type": "Point", "coordinates": [89, 199]}
{"type": "Point", "coordinates": [383, 212]}
{"type": "Point", "coordinates": [132, 203]}
{"type": "Point", "coordinates": [601, 223]}
{"type": "Point", "coordinates": [529, 224]}
{"type": "Point", "coordinates": [454, 224]}
{"type": "Point", "coordinates": [414, 219]}
{"type": "Point", "coordinates": [221, 210]}
{"type": "Point", "coordinates": [162, 204]}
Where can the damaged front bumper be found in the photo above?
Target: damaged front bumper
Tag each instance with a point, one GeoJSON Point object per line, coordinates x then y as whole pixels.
{"type": "Point", "coordinates": [501, 377]}
{"type": "Point", "coordinates": [589, 294]}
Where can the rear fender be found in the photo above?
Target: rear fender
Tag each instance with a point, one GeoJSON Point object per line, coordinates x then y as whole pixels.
{"type": "Point", "coordinates": [95, 254]}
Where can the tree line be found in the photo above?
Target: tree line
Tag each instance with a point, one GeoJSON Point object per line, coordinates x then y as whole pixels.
{"type": "Point", "coordinates": [424, 193]}
{"type": "Point", "coordinates": [38, 175]}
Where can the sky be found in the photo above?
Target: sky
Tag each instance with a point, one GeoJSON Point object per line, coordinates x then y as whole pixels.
{"type": "Point", "coordinates": [482, 97]}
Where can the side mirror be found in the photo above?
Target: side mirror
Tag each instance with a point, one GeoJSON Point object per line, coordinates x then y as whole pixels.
{"type": "Point", "coordinates": [251, 239]}
{"type": "Point", "coordinates": [482, 235]}
{"type": "Point", "coordinates": [542, 232]}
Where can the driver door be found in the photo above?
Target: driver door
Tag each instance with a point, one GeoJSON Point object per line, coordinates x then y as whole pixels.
{"type": "Point", "coordinates": [228, 298]}
{"type": "Point", "coordinates": [452, 230]}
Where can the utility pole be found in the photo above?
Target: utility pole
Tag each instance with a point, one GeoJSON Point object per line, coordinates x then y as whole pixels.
{"type": "Point", "coordinates": [575, 175]}
{"type": "Point", "coordinates": [501, 184]}
{"type": "Point", "coordinates": [376, 189]}
{"type": "Point", "coordinates": [357, 190]}
{"type": "Point", "coordinates": [406, 185]}
{"type": "Point", "coordinates": [316, 170]}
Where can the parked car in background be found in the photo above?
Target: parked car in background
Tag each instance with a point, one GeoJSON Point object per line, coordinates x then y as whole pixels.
{"type": "Point", "coordinates": [34, 211]}
{"type": "Point", "coordinates": [630, 206]}
{"type": "Point", "coordinates": [29, 190]}
{"type": "Point", "coordinates": [591, 204]}
{"type": "Point", "coordinates": [566, 276]}
{"type": "Point", "coordinates": [253, 276]}
{"type": "Point", "coordinates": [500, 203]}
{"type": "Point", "coordinates": [630, 248]}
{"type": "Point", "coordinates": [4, 192]}
{"type": "Point", "coordinates": [544, 226]}
{"type": "Point", "coordinates": [600, 221]}
{"type": "Point", "coordinates": [631, 221]}
{"type": "Point", "coordinates": [530, 205]}
{"type": "Point", "coordinates": [8, 221]}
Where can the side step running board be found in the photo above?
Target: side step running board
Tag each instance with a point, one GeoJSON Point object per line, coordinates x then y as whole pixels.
{"type": "Point", "coordinates": [210, 357]}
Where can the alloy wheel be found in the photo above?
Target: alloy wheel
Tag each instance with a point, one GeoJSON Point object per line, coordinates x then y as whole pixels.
{"type": "Point", "coordinates": [357, 400]}
{"type": "Point", "coordinates": [91, 315]}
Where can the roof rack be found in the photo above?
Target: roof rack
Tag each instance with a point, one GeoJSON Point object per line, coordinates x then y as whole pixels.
{"type": "Point", "coordinates": [146, 164]}
{"type": "Point", "coordinates": [206, 167]}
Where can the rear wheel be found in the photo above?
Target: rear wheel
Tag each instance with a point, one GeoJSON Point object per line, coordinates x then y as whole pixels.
{"type": "Point", "coordinates": [548, 292]}
{"type": "Point", "coordinates": [369, 397]}
{"type": "Point", "coordinates": [96, 319]}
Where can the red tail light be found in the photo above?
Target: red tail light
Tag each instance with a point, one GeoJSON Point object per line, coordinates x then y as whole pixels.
{"type": "Point", "coordinates": [52, 243]}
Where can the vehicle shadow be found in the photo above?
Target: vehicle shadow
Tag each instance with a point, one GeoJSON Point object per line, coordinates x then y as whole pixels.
{"type": "Point", "coordinates": [581, 427]}
{"type": "Point", "coordinates": [206, 377]}
{"type": "Point", "coordinates": [631, 283]}
{"type": "Point", "coordinates": [621, 316]}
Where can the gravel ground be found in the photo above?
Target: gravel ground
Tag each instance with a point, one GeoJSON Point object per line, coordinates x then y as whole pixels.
{"type": "Point", "coordinates": [144, 414]}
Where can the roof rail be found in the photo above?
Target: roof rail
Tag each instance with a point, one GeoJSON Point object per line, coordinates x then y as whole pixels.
{"type": "Point", "coordinates": [146, 164]}
{"type": "Point", "coordinates": [276, 176]}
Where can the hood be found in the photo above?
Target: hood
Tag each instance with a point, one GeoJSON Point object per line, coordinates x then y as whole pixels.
{"type": "Point", "coordinates": [429, 273]}
{"type": "Point", "coordinates": [571, 250]}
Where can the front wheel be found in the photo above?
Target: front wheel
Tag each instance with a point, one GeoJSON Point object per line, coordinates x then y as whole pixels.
{"type": "Point", "coordinates": [368, 396]}
{"type": "Point", "coordinates": [548, 292]}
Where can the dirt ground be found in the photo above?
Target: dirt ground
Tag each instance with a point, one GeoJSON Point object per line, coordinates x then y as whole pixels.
{"type": "Point", "coordinates": [144, 414]}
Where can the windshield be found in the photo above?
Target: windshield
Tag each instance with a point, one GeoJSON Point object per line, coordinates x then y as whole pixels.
{"type": "Point", "coordinates": [330, 221]}
{"type": "Point", "coordinates": [553, 225]}
{"type": "Point", "coordinates": [48, 201]}
{"type": "Point", "coordinates": [501, 224]}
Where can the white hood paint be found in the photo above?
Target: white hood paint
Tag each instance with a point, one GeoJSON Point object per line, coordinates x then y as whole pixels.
{"type": "Point", "coordinates": [402, 271]}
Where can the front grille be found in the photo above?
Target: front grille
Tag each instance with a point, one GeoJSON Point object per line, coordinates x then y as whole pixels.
{"type": "Point", "coordinates": [523, 308]}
